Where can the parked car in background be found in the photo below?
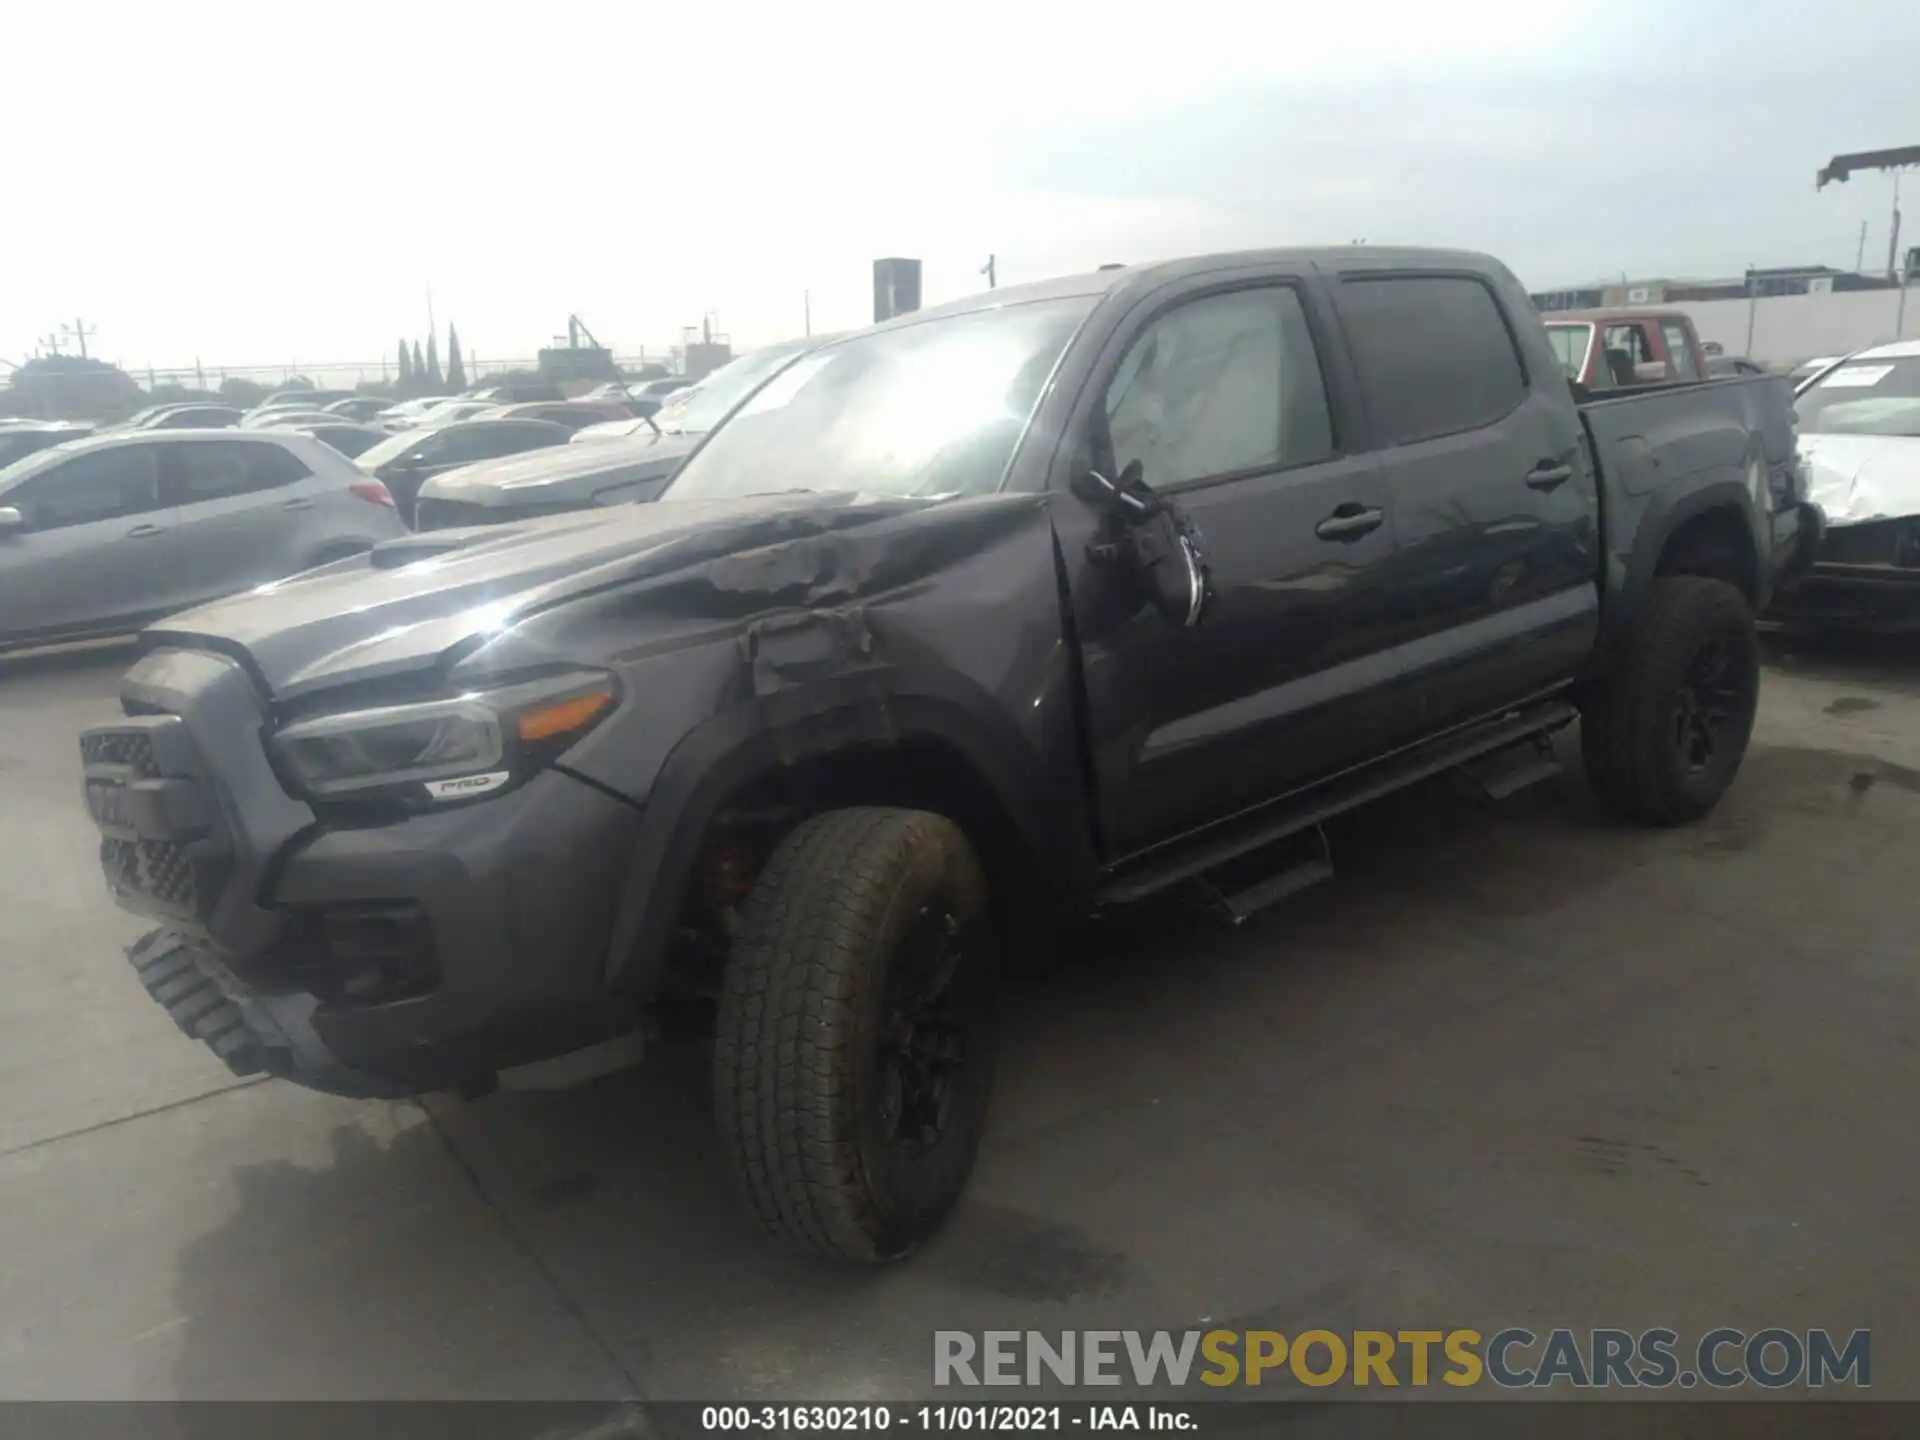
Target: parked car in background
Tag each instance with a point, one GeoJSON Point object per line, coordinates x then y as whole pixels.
{"type": "Point", "coordinates": [407, 412]}
{"type": "Point", "coordinates": [657, 389]}
{"type": "Point", "coordinates": [1808, 370]}
{"type": "Point", "coordinates": [17, 441]}
{"type": "Point", "coordinates": [446, 412]}
{"type": "Point", "coordinates": [146, 413]}
{"type": "Point", "coordinates": [100, 535]}
{"type": "Point", "coordinates": [515, 392]}
{"type": "Point", "coordinates": [697, 410]}
{"type": "Point", "coordinates": [349, 439]}
{"type": "Point", "coordinates": [143, 419]}
{"type": "Point", "coordinates": [193, 417]}
{"type": "Point", "coordinates": [1616, 349]}
{"type": "Point", "coordinates": [1860, 444]}
{"type": "Point", "coordinates": [362, 409]}
{"type": "Point", "coordinates": [303, 398]}
{"type": "Point", "coordinates": [551, 482]}
{"type": "Point", "coordinates": [294, 420]}
{"type": "Point", "coordinates": [574, 414]}
{"type": "Point", "coordinates": [406, 461]}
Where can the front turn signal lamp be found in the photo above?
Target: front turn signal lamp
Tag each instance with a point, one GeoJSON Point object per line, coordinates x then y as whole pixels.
{"type": "Point", "coordinates": [436, 752]}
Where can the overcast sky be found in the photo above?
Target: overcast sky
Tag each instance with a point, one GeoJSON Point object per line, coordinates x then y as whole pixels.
{"type": "Point", "coordinates": [233, 183]}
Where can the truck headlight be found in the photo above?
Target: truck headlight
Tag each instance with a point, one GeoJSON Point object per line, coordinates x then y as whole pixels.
{"type": "Point", "coordinates": [436, 751]}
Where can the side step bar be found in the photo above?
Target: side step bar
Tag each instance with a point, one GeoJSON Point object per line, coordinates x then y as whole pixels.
{"type": "Point", "coordinates": [1239, 906]}
{"type": "Point", "coordinates": [1510, 771]}
{"type": "Point", "coordinates": [1230, 839]}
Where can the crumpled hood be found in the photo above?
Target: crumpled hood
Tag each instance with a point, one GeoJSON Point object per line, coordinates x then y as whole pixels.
{"type": "Point", "coordinates": [574, 472]}
{"type": "Point", "coordinates": [1858, 478]}
{"type": "Point", "coordinates": [401, 608]}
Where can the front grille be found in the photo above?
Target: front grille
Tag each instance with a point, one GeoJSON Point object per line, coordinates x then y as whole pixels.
{"type": "Point", "coordinates": [130, 748]}
{"type": "Point", "coordinates": [163, 850]}
{"type": "Point", "coordinates": [158, 869]}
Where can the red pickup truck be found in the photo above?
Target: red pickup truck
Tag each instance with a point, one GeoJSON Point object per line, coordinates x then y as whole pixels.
{"type": "Point", "coordinates": [1613, 349]}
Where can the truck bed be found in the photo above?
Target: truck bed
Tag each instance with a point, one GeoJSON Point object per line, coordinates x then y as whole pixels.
{"type": "Point", "coordinates": [1660, 445]}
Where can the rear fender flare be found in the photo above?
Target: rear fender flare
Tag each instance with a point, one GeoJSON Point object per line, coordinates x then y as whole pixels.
{"type": "Point", "coordinates": [1666, 511]}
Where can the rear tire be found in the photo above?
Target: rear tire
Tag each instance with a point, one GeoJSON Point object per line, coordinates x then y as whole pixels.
{"type": "Point", "coordinates": [1664, 731]}
{"type": "Point", "coordinates": [853, 1053]}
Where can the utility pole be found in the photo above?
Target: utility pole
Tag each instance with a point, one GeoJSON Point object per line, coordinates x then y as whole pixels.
{"type": "Point", "coordinates": [1753, 305]}
{"type": "Point", "coordinates": [1860, 255]}
{"type": "Point", "coordinates": [992, 272]}
{"type": "Point", "coordinates": [78, 333]}
{"type": "Point", "coordinates": [1904, 278]}
{"type": "Point", "coordinates": [1893, 236]}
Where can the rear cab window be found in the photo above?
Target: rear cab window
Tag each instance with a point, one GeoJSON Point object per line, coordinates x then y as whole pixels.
{"type": "Point", "coordinates": [1435, 354]}
{"type": "Point", "coordinates": [1570, 344]}
{"type": "Point", "coordinates": [1679, 350]}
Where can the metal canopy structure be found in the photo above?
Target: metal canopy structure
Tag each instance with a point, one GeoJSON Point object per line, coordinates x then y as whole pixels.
{"type": "Point", "coordinates": [1842, 166]}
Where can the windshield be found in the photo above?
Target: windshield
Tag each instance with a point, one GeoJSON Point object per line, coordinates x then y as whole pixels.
{"type": "Point", "coordinates": [697, 409]}
{"type": "Point", "coordinates": [1570, 344]}
{"type": "Point", "coordinates": [1864, 397]}
{"type": "Point", "coordinates": [934, 408]}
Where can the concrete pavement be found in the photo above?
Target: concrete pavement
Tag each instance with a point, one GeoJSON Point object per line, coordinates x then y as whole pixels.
{"type": "Point", "coordinates": [1517, 1066]}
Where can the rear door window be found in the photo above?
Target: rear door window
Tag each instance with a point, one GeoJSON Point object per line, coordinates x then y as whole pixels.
{"type": "Point", "coordinates": [194, 471]}
{"type": "Point", "coordinates": [1435, 354]}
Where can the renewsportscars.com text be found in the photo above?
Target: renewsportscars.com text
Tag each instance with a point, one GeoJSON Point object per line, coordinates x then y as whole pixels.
{"type": "Point", "coordinates": [1512, 1358]}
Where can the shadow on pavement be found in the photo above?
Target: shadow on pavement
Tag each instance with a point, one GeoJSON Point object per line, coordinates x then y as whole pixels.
{"type": "Point", "coordinates": [1846, 656]}
{"type": "Point", "coordinates": [1193, 1123]}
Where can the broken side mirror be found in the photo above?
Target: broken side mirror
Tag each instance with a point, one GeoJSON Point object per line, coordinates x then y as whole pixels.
{"type": "Point", "coordinates": [1127, 499]}
{"type": "Point", "coordinates": [1148, 544]}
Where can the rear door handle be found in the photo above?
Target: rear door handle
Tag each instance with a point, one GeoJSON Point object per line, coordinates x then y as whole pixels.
{"type": "Point", "coordinates": [143, 532]}
{"type": "Point", "coordinates": [1548, 474]}
{"type": "Point", "coordinates": [1349, 522]}
{"type": "Point", "coordinates": [296, 505]}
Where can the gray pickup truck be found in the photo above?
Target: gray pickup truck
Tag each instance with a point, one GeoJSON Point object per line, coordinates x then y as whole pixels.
{"type": "Point", "coordinates": [1051, 599]}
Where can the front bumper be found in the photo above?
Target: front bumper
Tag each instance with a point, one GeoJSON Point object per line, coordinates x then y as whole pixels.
{"type": "Point", "coordinates": [1864, 576]}
{"type": "Point", "coordinates": [420, 955]}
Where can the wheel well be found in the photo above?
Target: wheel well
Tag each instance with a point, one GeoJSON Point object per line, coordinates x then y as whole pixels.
{"type": "Point", "coordinates": [914, 772]}
{"type": "Point", "coordinates": [1716, 544]}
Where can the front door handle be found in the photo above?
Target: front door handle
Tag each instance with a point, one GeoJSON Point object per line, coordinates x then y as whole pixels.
{"type": "Point", "coordinates": [296, 505]}
{"type": "Point", "coordinates": [1549, 474]}
{"type": "Point", "coordinates": [1349, 522]}
{"type": "Point", "coordinates": [144, 532]}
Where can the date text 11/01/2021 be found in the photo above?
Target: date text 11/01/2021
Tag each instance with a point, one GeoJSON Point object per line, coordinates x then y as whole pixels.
{"type": "Point", "coordinates": [947, 1417]}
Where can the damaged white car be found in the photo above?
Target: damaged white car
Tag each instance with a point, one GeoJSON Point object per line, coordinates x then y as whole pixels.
{"type": "Point", "coordinates": [1860, 444]}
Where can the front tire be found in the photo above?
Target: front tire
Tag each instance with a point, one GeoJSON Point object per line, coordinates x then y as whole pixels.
{"type": "Point", "coordinates": [853, 1053]}
{"type": "Point", "coordinates": [1665, 730]}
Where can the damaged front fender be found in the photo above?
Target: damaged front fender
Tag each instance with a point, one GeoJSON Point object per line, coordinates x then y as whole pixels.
{"type": "Point", "coordinates": [936, 624]}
